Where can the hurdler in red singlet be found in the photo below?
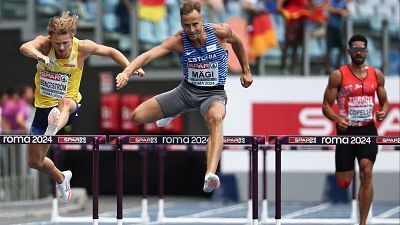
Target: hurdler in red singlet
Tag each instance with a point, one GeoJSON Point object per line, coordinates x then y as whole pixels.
{"type": "Point", "coordinates": [354, 86]}
{"type": "Point", "coordinates": [356, 97]}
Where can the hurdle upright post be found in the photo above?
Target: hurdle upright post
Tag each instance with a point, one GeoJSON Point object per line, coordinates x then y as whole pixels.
{"type": "Point", "coordinates": [264, 210]}
{"type": "Point", "coordinates": [354, 207]}
{"type": "Point", "coordinates": [54, 213]}
{"type": "Point", "coordinates": [254, 149]}
{"type": "Point", "coordinates": [161, 214]}
{"type": "Point", "coordinates": [144, 172]}
{"type": "Point", "coordinates": [144, 215]}
{"type": "Point", "coordinates": [95, 181]}
{"type": "Point", "coordinates": [119, 170]}
{"type": "Point", "coordinates": [249, 185]}
{"type": "Point", "coordinates": [278, 151]}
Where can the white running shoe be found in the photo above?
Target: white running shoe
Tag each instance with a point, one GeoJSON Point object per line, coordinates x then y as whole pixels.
{"type": "Point", "coordinates": [165, 121]}
{"type": "Point", "coordinates": [211, 182]}
{"type": "Point", "coordinates": [64, 187]}
{"type": "Point", "coordinates": [52, 120]}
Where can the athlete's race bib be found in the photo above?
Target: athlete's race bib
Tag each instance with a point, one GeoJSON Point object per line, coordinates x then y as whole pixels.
{"type": "Point", "coordinates": [203, 74]}
{"type": "Point", "coordinates": [53, 85]}
{"type": "Point", "coordinates": [360, 109]}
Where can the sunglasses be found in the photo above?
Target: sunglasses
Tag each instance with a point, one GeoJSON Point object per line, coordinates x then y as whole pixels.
{"type": "Point", "coordinates": [358, 49]}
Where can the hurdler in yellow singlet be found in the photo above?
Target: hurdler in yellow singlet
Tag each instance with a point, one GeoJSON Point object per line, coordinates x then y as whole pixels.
{"type": "Point", "coordinates": [60, 58]}
{"type": "Point", "coordinates": [60, 79]}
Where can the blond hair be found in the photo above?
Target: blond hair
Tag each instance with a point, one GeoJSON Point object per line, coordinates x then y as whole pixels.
{"type": "Point", "coordinates": [64, 24]}
{"type": "Point", "coordinates": [189, 6]}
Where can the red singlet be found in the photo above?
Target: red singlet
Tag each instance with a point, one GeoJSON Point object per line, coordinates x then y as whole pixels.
{"type": "Point", "coordinates": [356, 97]}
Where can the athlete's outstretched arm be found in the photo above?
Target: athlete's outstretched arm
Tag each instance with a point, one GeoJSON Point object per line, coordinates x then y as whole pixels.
{"type": "Point", "coordinates": [330, 95]}
{"type": "Point", "coordinates": [88, 47]}
{"type": "Point", "coordinates": [34, 48]}
{"type": "Point", "coordinates": [225, 32]}
{"type": "Point", "coordinates": [169, 45]}
{"type": "Point", "coordinates": [382, 96]}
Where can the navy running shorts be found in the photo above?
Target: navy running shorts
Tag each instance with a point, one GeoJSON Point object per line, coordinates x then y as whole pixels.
{"type": "Point", "coordinates": [39, 124]}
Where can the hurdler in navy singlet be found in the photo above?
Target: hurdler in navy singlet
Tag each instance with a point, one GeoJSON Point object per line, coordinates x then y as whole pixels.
{"type": "Point", "coordinates": [206, 66]}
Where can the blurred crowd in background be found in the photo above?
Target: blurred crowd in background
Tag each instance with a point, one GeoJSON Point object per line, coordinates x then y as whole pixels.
{"type": "Point", "coordinates": [274, 31]}
{"type": "Point", "coordinates": [16, 110]}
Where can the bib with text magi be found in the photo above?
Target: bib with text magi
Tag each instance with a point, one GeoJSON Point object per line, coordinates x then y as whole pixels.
{"type": "Point", "coordinates": [203, 74]}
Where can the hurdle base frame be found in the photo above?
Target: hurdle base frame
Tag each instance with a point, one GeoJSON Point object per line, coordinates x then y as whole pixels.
{"type": "Point", "coordinates": [56, 218]}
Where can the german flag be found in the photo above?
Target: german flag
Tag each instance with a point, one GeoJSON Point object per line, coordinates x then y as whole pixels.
{"type": "Point", "coordinates": [152, 10]}
{"type": "Point", "coordinates": [262, 35]}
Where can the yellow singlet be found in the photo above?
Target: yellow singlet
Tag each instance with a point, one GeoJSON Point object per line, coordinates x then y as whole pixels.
{"type": "Point", "coordinates": [60, 79]}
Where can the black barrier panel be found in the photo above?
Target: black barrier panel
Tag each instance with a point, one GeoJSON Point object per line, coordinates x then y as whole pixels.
{"type": "Point", "coordinates": [59, 139]}
{"type": "Point", "coordinates": [185, 140]}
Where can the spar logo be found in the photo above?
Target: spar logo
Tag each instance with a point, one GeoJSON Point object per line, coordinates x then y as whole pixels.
{"type": "Point", "coordinates": [80, 140]}
{"type": "Point", "coordinates": [388, 140]}
{"type": "Point", "coordinates": [234, 140]}
{"type": "Point", "coordinates": [141, 140]}
{"type": "Point", "coordinates": [306, 140]}
{"type": "Point", "coordinates": [51, 76]}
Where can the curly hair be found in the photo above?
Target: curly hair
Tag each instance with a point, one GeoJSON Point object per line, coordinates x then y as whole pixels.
{"type": "Point", "coordinates": [358, 37]}
{"type": "Point", "coordinates": [64, 24]}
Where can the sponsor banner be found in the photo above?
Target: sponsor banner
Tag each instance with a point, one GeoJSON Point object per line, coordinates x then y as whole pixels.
{"type": "Point", "coordinates": [186, 140]}
{"type": "Point", "coordinates": [142, 140]}
{"type": "Point", "coordinates": [302, 140]}
{"type": "Point", "coordinates": [291, 105]}
{"type": "Point", "coordinates": [388, 140]}
{"type": "Point", "coordinates": [44, 139]}
{"type": "Point", "coordinates": [307, 119]}
{"type": "Point", "coordinates": [25, 139]}
{"type": "Point", "coordinates": [343, 140]}
{"type": "Point", "coordinates": [72, 140]}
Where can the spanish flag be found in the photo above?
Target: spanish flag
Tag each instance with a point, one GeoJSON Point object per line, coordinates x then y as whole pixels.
{"type": "Point", "coordinates": [152, 10]}
{"type": "Point", "coordinates": [262, 35]}
{"type": "Point", "coordinates": [297, 9]}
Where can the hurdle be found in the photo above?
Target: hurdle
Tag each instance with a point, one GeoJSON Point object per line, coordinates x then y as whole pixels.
{"type": "Point", "coordinates": [161, 214]}
{"type": "Point", "coordinates": [95, 219]}
{"type": "Point", "coordinates": [254, 141]}
{"type": "Point", "coordinates": [94, 142]}
{"type": "Point", "coordinates": [278, 141]}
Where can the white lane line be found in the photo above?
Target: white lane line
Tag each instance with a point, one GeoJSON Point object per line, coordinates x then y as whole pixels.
{"type": "Point", "coordinates": [307, 211]}
{"type": "Point", "coordinates": [130, 210]}
{"type": "Point", "coordinates": [389, 213]}
{"type": "Point", "coordinates": [218, 210]}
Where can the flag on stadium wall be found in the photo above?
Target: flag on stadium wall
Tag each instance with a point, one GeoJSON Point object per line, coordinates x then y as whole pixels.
{"type": "Point", "coordinates": [152, 10]}
{"type": "Point", "coordinates": [262, 35]}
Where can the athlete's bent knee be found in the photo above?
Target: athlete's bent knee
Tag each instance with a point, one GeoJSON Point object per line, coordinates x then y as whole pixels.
{"type": "Point", "coordinates": [343, 183]}
{"type": "Point", "coordinates": [214, 120]}
{"type": "Point", "coordinates": [64, 102]}
{"type": "Point", "coordinates": [135, 118]}
{"type": "Point", "coordinates": [34, 164]}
